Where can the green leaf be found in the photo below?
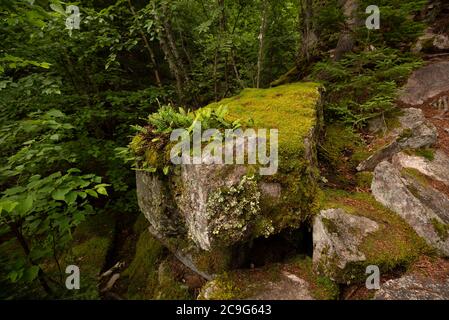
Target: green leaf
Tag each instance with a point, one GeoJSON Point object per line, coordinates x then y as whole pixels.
{"type": "Point", "coordinates": [55, 113]}
{"type": "Point", "coordinates": [92, 193]}
{"type": "Point", "coordinates": [59, 194]}
{"type": "Point", "coordinates": [25, 206]}
{"type": "Point", "coordinates": [55, 6]}
{"type": "Point", "coordinates": [31, 273]}
{"type": "Point", "coordinates": [102, 190]}
{"type": "Point", "coordinates": [8, 205]}
{"type": "Point", "coordinates": [70, 197]}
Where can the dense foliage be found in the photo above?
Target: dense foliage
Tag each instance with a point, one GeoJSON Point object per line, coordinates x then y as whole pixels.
{"type": "Point", "coordinates": [71, 98]}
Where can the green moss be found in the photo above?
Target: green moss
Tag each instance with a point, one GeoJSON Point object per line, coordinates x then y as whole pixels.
{"type": "Point", "coordinates": [321, 287]}
{"type": "Point", "coordinates": [294, 110]}
{"type": "Point", "coordinates": [223, 287]}
{"type": "Point", "coordinates": [169, 288]}
{"type": "Point", "coordinates": [215, 261]}
{"type": "Point", "coordinates": [342, 150]}
{"type": "Point", "coordinates": [330, 225]}
{"type": "Point", "coordinates": [364, 179]}
{"type": "Point", "coordinates": [426, 153]}
{"type": "Point", "coordinates": [245, 284]}
{"type": "Point", "coordinates": [92, 241]}
{"type": "Point", "coordinates": [394, 245]}
{"type": "Point", "coordinates": [416, 175]}
{"type": "Point", "coordinates": [142, 273]}
{"type": "Point", "coordinates": [441, 229]}
{"type": "Point", "coordinates": [405, 134]}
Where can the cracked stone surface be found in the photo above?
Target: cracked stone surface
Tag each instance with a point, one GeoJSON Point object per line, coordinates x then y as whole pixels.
{"type": "Point", "coordinates": [414, 287]}
{"type": "Point", "coordinates": [336, 237]}
{"type": "Point", "coordinates": [391, 189]}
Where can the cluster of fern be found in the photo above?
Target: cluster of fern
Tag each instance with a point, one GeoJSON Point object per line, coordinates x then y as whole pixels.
{"type": "Point", "coordinates": [364, 85]}
{"type": "Point", "coordinates": [148, 145]}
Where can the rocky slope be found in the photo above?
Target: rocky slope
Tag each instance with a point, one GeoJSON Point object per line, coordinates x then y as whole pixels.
{"type": "Point", "coordinates": [397, 215]}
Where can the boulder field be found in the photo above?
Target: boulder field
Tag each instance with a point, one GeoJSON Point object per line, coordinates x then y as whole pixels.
{"type": "Point", "coordinates": [211, 215]}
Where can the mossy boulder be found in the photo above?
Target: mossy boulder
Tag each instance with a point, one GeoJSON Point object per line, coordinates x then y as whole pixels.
{"type": "Point", "coordinates": [382, 238]}
{"type": "Point", "coordinates": [209, 208]}
{"type": "Point", "coordinates": [405, 192]}
{"type": "Point", "coordinates": [294, 280]}
{"type": "Point", "coordinates": [150, 274]}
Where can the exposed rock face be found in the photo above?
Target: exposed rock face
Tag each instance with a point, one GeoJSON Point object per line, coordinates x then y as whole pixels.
{"type": "Point", "coordinates": [392, 190]}
{"type": "Point", "coordinates": [336, 237]}
{"type": "Point", "coordinates": [287, 287]}
{"type": "Point", "coordinates": [413, 287]}
{"type": "Point", "coordinates": [415, 132]}
{"type": "Point", "coordinates": [426, 84]}
{"type": "Point", "coordinates": [432, 42]}
{"type": "Point", "coordinates": [204, 212]}
{"type": "Point", "coordinates": [290, 281]}
{"type": "Point", "coordinates": [437, 169]}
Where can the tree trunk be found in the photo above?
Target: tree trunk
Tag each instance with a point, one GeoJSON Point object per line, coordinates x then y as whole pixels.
{"type": "Point", "coordinates": [346, 40]}
{"type": "Point", "coordinates": [172, 63]}
{"type": "Point", "coordinates": [309, 40]}
{"type": "Point", "coordinates": [263, 30]}
{"type": "Point", "coordinates": [148, 47]}
{"type": "Point", "coordinates": [41, 276]}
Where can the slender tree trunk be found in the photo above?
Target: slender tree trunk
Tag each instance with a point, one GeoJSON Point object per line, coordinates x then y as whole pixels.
{"type": "Point", "coordinates": [346, 39]}
{"type": "Point", "coordinates": [236, 71]}
{"type": "Point", "coordinates": [172, 43]}
{"type": "Point", "coordinates": [169, 55]}
{"type": "Point", "coordinates": [263, 30]}
{"type": "Point", "coordinates": [147, 46]}
{"type": "Point", "coordinates": [308, 52]}
{"type": "Point", "coordinates": [222, 27]}
{"type": "Point", "coordinates": [41, 276]}
{"type": "Point", "coordinates": [309, 39]}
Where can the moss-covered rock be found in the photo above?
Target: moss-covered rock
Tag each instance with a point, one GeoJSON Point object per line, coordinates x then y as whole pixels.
{"type": "Point", "coordinates": [92, 241]}
{"type": "Point", "coordinates": [216, 207]}
{"type": "Point", "coordinates": [294, 280]}
{"type": "Point", "coordinates": [392, 246]}
{"type": "Point", "coordinates": [142, 273]}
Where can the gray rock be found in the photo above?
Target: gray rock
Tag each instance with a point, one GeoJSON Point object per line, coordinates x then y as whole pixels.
{"type": "Point", "coordinates": [377, 125]}
{"type": "Point", "coordinates": [415, 132]}
{"type": "Point", "coordinates": [198, 182]}
{"type": "Point", "coordinates": [431, 42]}
{"type": "Point", "coordinates": [336, 238]}
{"type": "Point", "coordinates": [157, 205]}
{"type": "Point", "coordinates": [413, 287]}
{"type": "Point", "coordinates": [205, 212]}
{"type": "Point", "coordinates": [273, 285]}
{"type": "Point", "coordinates": [382, 154]}
{"type": "Point", "coordinates": [390, 189]}
{"type": "Point", "coordinates": [437, 169]}
{"type": "Point", "coordinates": [288, 287]}
{"type": "Point", "coordinates": [426, 83]}
{"type": "Point", "coordinates": [435, 200]}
